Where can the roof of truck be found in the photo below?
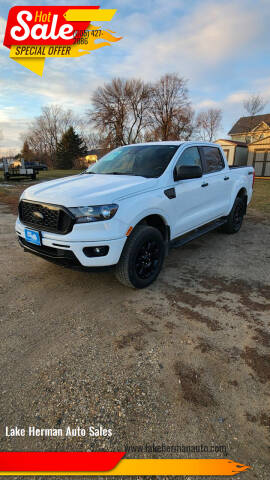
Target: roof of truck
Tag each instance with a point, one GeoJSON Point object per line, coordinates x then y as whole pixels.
{"type": "Point", "coordinates": [173, 142]}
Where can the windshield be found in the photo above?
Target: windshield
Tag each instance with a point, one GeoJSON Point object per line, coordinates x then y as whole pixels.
{"type": "Point", "coordinates": [142, 160]}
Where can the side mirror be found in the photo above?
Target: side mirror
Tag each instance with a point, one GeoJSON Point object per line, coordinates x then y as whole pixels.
{"type": "Point", "coordinates": [185, 172]}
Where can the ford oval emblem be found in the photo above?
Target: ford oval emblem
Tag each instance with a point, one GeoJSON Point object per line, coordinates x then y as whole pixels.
{"type": "Point", "coordinates": [38, 215]}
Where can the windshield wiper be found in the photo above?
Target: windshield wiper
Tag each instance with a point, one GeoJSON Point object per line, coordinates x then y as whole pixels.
{"type": "Point", "coordinates": [128, 174]}
{"type": "Point", "coordinates": [115, 173]}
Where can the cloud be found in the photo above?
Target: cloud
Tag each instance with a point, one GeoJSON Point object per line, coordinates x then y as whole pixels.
{"type": "Point", "coordinates": [205, 104]}
{"type": "Point", "coordinates": [262, 85]}
{"type": "Point", "coordinates": [65, 82]}
{"type": "Point", "coordinates": [232, 104]}
{"type": "Point", "coordinates": [237, 97]}
{"type": "Point", "coordinates": [211, 34]}
{"type": "Point", "coordinates": [12, 125]}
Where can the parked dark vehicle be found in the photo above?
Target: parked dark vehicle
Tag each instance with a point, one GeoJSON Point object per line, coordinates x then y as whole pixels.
{"type": "Point", "coordinates": [36, 166]}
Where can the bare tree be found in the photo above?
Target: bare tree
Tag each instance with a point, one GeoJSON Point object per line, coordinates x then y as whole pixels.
{"type": "Point", "coordinates": [92, 140]}
{"type": "Point", "coordinates": [209, 123]}
{"type": "Point", "coordinates": [170, 114]}
{"type": "Point", "coordinates": [128, 111]}
{"type": "Point", "coordinates": [47, 130]}
{"type": "Point", "coordinates": [120, 111]}
{"type": "Point", "coordinates": [90, 137]}
{"type": "Point", "coordinates": [254, 104]}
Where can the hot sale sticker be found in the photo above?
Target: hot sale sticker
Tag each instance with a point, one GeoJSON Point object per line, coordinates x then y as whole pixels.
{"type": "Point", "coordinates": [56, 32]}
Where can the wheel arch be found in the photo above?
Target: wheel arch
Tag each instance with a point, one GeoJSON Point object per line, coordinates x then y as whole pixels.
{"type": "Point", "coordinates": [157, 221]}
{"type": "Point", "coordinates": [239, 191]}
{"type": "Point", "coordinates": [242, 193]}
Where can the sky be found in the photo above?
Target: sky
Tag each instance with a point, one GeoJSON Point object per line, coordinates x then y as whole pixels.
{"type": "Point", "coordinates": [220, 46]}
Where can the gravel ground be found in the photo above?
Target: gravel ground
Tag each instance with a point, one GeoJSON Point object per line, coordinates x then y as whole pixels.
{"type": "Point", "coordinates": [184, 362]}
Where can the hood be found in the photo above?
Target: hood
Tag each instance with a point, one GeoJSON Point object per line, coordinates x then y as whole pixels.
{"type": "Point", "coordinates": [84, 190]}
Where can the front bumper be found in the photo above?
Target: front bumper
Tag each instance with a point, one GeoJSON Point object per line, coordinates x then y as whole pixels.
{"type": "Point", "coordinates": [70, 253]}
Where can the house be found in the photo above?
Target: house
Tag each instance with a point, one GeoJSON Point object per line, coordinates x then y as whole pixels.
{"type": "Point", "coordinates": [93, 155]}
{"type": "Point", "coordinates": [249, 143]}
{"type": "Point", "coordinates": [251, 129]}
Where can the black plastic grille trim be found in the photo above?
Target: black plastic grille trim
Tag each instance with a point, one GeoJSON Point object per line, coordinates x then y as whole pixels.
{"type": "Point", "coordinates": [55, 218]}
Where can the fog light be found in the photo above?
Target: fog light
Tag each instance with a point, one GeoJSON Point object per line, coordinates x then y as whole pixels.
{"type": "Point", "coordinates": [96, 251]}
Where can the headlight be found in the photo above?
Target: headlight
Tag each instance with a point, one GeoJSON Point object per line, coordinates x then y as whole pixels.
{"type": "Point", "coordinates": [94, 214]}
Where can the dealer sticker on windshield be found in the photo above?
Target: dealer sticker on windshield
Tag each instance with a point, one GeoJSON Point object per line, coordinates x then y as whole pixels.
{"type": "Point", "coordinates": [32, 236]}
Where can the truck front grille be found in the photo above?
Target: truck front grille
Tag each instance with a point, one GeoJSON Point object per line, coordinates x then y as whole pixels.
{"type": "Point", "coordinates": [46, 217]}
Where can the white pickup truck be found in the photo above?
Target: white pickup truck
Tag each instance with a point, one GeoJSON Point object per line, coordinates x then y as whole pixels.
{"type": "Point", "coordinates": [132, 205]}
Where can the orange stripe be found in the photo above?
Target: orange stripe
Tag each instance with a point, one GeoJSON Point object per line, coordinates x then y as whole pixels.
{"type": "Point", "coordinates": [217, 467]}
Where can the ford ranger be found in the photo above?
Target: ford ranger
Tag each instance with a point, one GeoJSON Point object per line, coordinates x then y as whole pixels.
{"type": "Point", "coordinates": [127, 209]}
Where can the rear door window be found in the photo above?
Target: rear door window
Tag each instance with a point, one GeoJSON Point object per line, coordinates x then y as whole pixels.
{"type": "Point", "coordinates": [212, 159]}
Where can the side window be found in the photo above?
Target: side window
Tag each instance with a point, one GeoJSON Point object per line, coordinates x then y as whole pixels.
{"type": "Point", "coordinates": [190, 157]}
{"type": "Point", "coordinates": [213, 159]}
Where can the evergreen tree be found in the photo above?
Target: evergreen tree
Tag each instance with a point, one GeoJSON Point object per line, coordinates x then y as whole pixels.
{"type": "Point", "coordinates": [27, 153]}
{"type": "Point", "coordinates": [71, 147]}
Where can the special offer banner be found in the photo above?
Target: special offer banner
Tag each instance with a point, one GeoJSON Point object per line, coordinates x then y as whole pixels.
{"type": "Point", "coordinates": [36, 32]}
{"type": "Point", "coordinates": [97, 463]}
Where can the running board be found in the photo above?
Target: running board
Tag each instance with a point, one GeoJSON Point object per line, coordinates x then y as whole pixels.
{"type": "Point", "coordinates": [198, 232]}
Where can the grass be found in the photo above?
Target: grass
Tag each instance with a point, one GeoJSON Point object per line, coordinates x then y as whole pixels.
{"type": "Point", "coordinates": [10, 195]}
{"type": "Point", "coordinates": [46, 175]}
{"type": "Point", "coordinates": [51, 174]}
{"type": "Point", "coordinates": [261, 196]}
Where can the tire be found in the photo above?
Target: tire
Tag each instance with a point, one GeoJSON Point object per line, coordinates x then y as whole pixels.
{"type": "Point", "coordinates": [142, 258]}
{"type": "Point", "coordinates": [235, 218]}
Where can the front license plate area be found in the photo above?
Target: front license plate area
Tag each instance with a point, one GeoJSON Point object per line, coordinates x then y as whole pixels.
{"type": "Point", "coordinates": [32, 236]}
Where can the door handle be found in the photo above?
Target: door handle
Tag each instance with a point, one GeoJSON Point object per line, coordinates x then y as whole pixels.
{"type": "Point", "coordinates": [226, 178]}
{"type": "Point", "coordinates": [204, 185]}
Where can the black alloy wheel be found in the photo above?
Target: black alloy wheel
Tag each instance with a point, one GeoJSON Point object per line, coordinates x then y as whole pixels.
{"type": "Point", "coordinates": [148, 258]}
{"type": "Point", "coordinates": [142, 257]}
{"type": "Point", "coordinates": [236, 216]}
